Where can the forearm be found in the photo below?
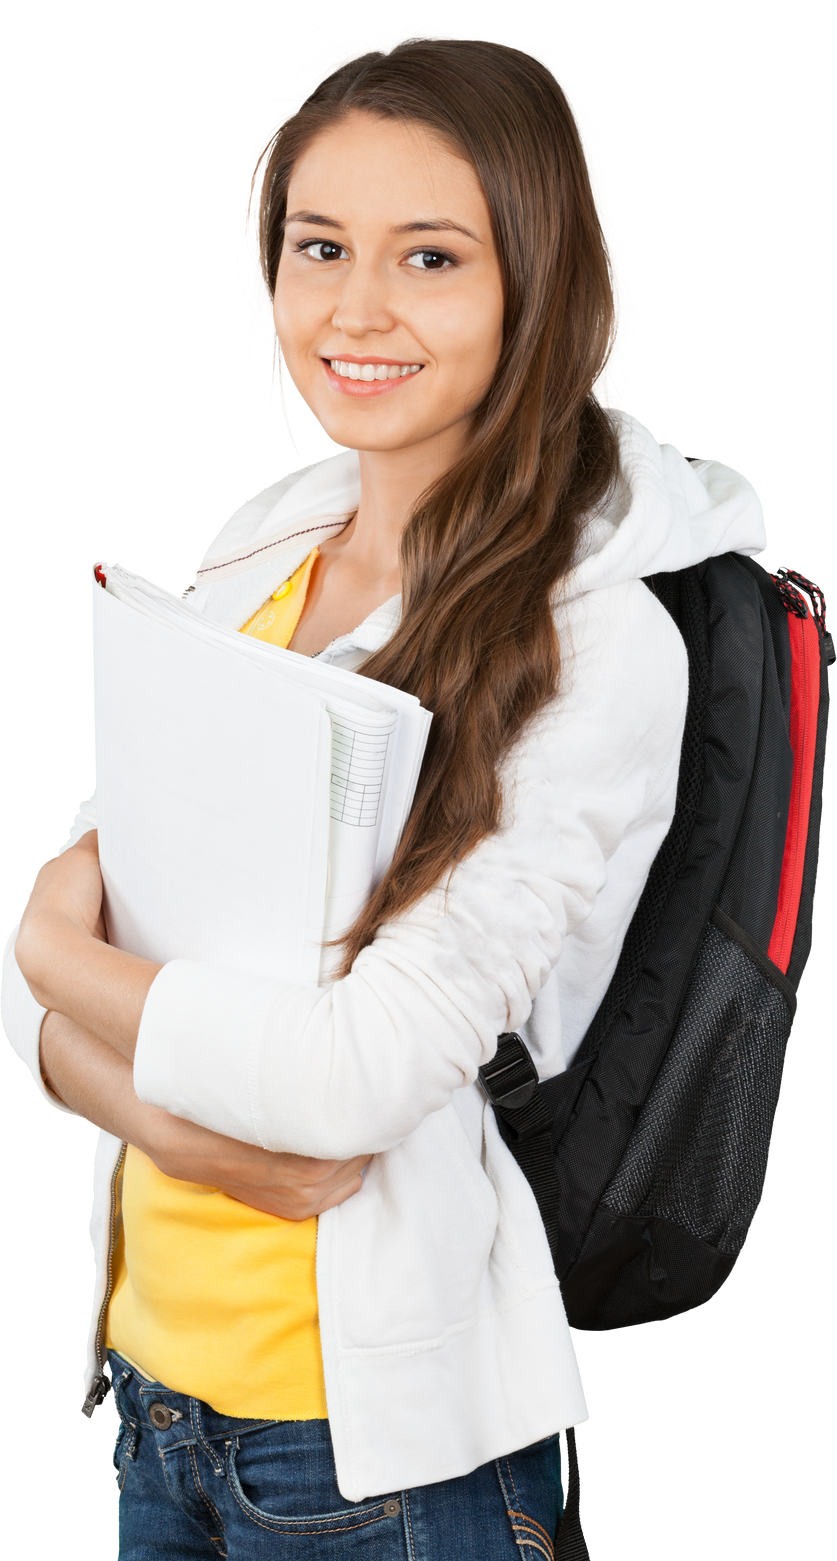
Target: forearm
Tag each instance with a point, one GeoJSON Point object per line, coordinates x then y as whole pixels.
{"type": "Point", "coordinates": [92, 1079]}
{"type": "Point", "coordinates": [100, 988]}
{"type": "Point", "coordinates": [96, 1082]}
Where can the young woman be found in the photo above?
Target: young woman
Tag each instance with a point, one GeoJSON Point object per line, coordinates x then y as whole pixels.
{"type": "Point", "coordinates": [332, 1318]}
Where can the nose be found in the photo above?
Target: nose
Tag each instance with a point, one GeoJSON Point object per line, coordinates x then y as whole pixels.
{"type": "Point", "coordinates": [363, 305]}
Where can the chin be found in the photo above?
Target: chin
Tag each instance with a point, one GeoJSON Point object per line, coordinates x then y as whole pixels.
{"type": "Point", "coordinates": [369, 432]}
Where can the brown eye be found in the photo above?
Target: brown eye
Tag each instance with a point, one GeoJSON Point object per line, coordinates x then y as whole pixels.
{"type": "Point", "coordinates": [321, 249]}
{"type": "Point", "coordinates": [430, 260]}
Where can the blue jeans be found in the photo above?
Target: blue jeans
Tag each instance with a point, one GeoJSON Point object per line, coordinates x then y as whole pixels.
{"type": "Point", "coordinates": [196, 1484]}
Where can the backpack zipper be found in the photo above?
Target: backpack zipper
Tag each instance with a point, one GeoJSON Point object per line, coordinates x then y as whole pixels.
{"type": "Point", "coordinates": [101, 1385]}
{"type": "Point", "coordinates": [807, 635]}
{"type": "Point", "coordinates": [786, 580]}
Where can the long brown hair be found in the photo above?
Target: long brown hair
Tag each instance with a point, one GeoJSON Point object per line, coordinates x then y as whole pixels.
{"type": "Point", "coordinates": [486, 545]}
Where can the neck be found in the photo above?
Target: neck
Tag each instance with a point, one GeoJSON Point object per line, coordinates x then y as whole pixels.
{"type": "Point", "coordinates": [390, 483]}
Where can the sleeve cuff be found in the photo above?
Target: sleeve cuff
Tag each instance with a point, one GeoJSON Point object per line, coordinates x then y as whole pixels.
{"type": "Point", "coordinates": [198, 1042]}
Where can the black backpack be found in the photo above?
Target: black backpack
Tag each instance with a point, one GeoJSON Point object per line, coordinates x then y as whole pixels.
{"type": "Point", "coordinates": [647, 1156]}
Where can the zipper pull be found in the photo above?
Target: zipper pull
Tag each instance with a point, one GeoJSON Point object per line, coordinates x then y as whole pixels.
{"type": "Point", "coordinates": [99, 1391]}
{"type": "Point", "coordinates": [786, 579]}
{"type": "Point", "coordinates": [810, 589]}
{"type": "Point", "coordinates": [790, 598]}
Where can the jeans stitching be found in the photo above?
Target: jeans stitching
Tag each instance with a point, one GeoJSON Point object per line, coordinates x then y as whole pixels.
{"type": "Point", "coordinates": [291, 1525]}
{"type": "Point", "coordinates": [276, 1528]}
{"type": "Point", "coordinates": [532, 1542]}
{"type": "Point", "coordinates": [196, 1421]}
{"type": "Point", "coordinates": [130, 1431]}
{"type": "Point", "coordinates": [121, 1471]}
{"type": "Point", "coordinates": [410, 1527]}
{"type": "Point", "coordinates": [202, 1493]}
{"type": "Point", "coordinates": [541, 1532]}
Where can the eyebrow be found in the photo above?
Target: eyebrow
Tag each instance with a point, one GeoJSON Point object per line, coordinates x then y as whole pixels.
{"type": "Point", "coordinates": [422, 225]}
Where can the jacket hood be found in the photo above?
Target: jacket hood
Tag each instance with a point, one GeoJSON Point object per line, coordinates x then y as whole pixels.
{"type": "Point", "coordinates": [665, 513]}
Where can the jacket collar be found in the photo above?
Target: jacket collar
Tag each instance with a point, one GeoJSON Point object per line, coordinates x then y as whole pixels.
{"type": "Point", "coordinates": [268, 539]}
{"type": "Point", "coordinates": [352, 649]}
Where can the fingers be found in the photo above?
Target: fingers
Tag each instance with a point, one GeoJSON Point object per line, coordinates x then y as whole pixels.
{"type": "Point", "coordinates": [293, 1205]}
{"type": "Point", "coordinates": [317, 1180]}
{"type": "Point", "coordinates": [341, 1193]}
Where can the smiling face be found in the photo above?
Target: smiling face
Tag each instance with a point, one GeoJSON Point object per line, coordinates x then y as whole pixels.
{"type": "Point", "coordinates": [389, 296]}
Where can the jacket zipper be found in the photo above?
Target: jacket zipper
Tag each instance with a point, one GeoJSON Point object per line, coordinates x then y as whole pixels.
{"type": "Point", "coordinates": [100, 1386]}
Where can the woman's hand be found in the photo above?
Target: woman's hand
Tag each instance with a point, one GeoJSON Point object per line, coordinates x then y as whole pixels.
{"type": "Point", "coordinates": [69, 888]}
{"type": "Point", "coordinates": [64, 898]}
{"type": "Point", "coordinates": [63, 953]}
{"type": "Point", "coordinates": [287, 1185]}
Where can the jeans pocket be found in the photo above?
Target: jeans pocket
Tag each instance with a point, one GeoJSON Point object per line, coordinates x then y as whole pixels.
{"type": "Point", "coordinates": [374, 1520]}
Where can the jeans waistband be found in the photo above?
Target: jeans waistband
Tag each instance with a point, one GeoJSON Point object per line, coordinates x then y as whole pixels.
{"type": "Point", "coordinates": [178, 1418]}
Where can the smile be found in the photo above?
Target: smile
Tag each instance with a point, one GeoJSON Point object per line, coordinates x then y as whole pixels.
{"type": "Point", "coordinates": [367, 378]}
{"type": "Point", "coordinates": [369, 371]}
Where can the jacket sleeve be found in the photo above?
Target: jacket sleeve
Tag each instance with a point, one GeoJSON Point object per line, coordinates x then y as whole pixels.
{"type": "Point", "coordinates": [355, 1067]}
{"type": "Point", "coordinates": [22, 1015]}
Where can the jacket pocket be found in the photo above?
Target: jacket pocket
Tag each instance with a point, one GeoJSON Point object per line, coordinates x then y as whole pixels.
{"type": "Point", "coordinates": [407, 1255]}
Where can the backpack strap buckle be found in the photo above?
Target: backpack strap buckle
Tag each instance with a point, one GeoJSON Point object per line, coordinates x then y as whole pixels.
{"type": "Point", "coordinates": [510, 1078]}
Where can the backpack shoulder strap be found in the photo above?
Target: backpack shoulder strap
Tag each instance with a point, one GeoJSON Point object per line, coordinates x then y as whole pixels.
{"type": "Point", "coordinates": [570, 1544]}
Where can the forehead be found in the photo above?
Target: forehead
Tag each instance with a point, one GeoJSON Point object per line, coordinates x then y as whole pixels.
{"type": "Point", "coordinates": [370, 169]}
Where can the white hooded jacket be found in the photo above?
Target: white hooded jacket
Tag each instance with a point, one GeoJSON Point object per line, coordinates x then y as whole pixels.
{"type": "Point", "coordinates": [444, 1338]}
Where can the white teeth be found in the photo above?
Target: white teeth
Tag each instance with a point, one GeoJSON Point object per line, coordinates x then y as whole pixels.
{"type": "Point", "coordinates": [368, 371]}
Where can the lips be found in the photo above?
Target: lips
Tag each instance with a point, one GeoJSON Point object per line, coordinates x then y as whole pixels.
{"type": "Point", "coordinates": [366, 387]}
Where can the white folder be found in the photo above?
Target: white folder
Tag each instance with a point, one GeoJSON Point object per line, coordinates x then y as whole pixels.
{"type": "Point", "coordinates": [248, 798]}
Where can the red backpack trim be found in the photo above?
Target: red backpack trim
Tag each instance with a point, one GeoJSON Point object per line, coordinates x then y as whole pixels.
{"type": "Point", "coordinates": [804, 712]}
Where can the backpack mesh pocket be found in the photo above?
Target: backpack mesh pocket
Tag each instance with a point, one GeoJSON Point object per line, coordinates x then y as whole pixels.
{"type": "Point", "coordinates": [698, 1151]}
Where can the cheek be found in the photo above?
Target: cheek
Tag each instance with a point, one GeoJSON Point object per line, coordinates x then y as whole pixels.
{"type": "Point", "coordinates": [469, 333]}
{"type": "Point", "coordinates": [293, 316]}
{"type": "Point", "coordinates": [284, 316]}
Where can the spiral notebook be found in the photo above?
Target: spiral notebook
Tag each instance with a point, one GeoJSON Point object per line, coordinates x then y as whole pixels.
{"type": "Point", "coordinates": [248, 798]}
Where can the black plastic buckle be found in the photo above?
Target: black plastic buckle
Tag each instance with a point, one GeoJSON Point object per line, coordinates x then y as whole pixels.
{"type": "Point", "coordinates": [510, 1078]}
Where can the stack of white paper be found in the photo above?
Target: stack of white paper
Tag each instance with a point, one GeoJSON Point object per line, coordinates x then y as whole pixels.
{"type": "Point", "coordinates": [248, 797]}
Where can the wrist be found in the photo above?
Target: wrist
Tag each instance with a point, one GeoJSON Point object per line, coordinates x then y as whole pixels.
{"type": "Point", "coordinates": [90, 1078]}
{"type": "Point", "coordinates": [68, 968]}
{"type": "Point", "coordinates": [147, 1131]}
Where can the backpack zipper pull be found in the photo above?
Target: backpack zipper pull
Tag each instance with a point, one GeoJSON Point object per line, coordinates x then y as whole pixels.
{"type": "Point", "coordinates": [790, 598]}
{"type": "Point", "coordinates": [806, 585]}
{"type": "Point", "coordinates": [786, 579]}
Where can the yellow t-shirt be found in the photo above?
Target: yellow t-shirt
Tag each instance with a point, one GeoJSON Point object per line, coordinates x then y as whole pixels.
{"type": "Point", "coordinates": [276, 621]}
{"type": "Point", "coordinates": [211, 1297]}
